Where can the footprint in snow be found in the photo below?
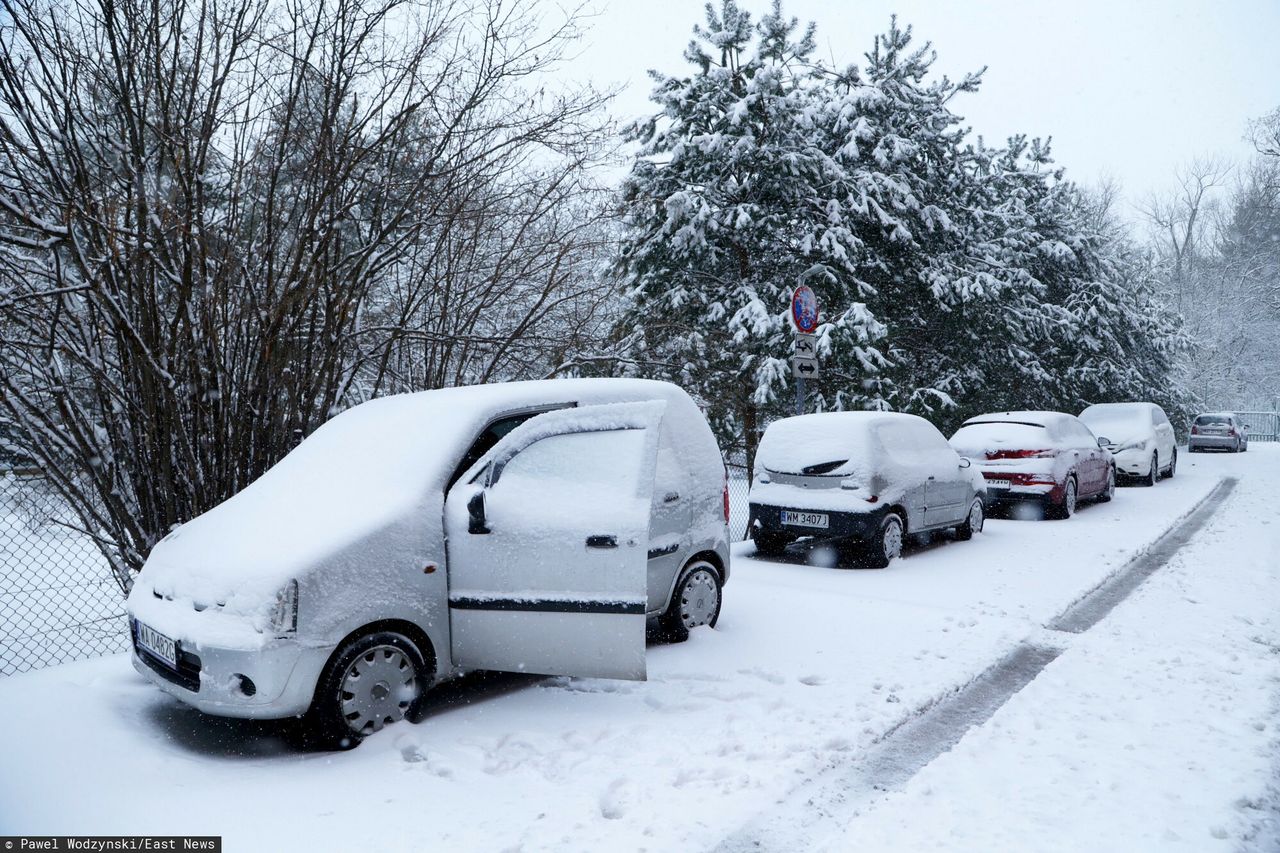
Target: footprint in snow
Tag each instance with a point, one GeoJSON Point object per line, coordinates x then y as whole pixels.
{"type": "Point", "coordinates": [812, 680]}
{"type": "Point", "coordinates": [613, 800]}
{"type": "Point", "coordinates": [764, 674]}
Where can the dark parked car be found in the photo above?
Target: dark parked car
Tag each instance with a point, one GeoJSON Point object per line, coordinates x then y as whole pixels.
{"type": "Point", "coordinates": [862, 479]}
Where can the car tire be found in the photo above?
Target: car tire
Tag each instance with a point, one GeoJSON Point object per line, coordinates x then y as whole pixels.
{"type": "Point", "coordinates": [771, 544]}
{"type": "Point", "coordinates": [1066, 507]}
{"type": "Point", "coordinates": [1153, 476]}
{"type": "Point", "coordinates": [1173, 466]}
{"type": "Point", "coordinates": [399, 674]}
{"type": "Point", "coordinates": [886, 544]}
{"type": "Point", "coordinates": [973, 521]}
{"type": "Point", "coordinates": [1191, 448]}
{"type": "Point", "coordinates": [1109, 490]}
{"type": "Point", "coordinates": [695, 601]}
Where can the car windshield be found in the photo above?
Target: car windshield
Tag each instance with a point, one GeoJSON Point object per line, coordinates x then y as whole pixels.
{"type": "Point", "coordinates": [1117, 421]}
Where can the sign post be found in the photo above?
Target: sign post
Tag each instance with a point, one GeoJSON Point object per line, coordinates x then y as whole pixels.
{"type": "Point", "coordinates": [804, 358]}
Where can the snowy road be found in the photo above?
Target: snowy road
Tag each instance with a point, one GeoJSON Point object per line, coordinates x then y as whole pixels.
{"type": "Point", "coordinates": [1152, 729]}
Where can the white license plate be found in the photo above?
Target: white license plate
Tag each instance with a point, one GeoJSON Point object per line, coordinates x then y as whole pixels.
{"type": "Point", "coordinates": [997, 484]}
{"type": "Point", "coordinates": [158, 644]}
{"type": "Point", "coordinates": [805, 519]}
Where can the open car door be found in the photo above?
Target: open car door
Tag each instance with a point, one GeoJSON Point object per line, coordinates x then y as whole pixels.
{"type": "Point", "coordinates": [548, 543]}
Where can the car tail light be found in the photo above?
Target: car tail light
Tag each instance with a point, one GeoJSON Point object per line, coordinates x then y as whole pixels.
{"type": "Point", "coordinates": [726, 497]}
{"type": "Point", "coordinates": [1231, 431]}
{"type": "Point", "coordinates": [1195, 430]}
{"type": "Point", "coordinates": [1021, 454]}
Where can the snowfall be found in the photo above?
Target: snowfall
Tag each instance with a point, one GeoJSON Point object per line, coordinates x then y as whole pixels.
{"type": "Point", "coordinates": [975, 696]}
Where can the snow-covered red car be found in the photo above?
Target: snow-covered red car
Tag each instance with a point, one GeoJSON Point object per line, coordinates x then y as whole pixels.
{"type": "Point", "coordinates": [1139, 437]}
{"type": "Point", "coordinates": [1049, 458]}
{"type": "Point", "coordinates": [861, 479]}
{"type": "Point", "coordinates": [525, 527]}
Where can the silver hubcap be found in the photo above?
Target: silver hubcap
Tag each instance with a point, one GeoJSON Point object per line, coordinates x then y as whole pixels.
{"type": "Point", "coordinates": [699, 599]}
{"type": "Point", "coordinates": [892, 538]}
{"type": "Point", "coordinates": [975, 517]}
{"type": "Point", "coordinates": [377, 689]}
{"type": "Point", "coordinates": [1071, 497]}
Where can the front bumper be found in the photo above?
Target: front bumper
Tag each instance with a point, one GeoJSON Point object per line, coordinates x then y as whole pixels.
{"type": "Point", "coordinates": [841, 525]}
{"type": "Point", "coordinates": [283, 674]}
{"type": "Point", "coordinates": [1134, 462]}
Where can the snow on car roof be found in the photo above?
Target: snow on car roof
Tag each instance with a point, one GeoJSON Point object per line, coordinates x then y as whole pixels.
{"type": "Point", "coordinates": [1022, 417]}
{"type": "Point", "coordinates": [791, 445]}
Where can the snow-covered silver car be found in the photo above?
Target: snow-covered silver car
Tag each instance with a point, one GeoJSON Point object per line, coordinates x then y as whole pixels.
{"type": "Point", "coordinates": [534, 527]}
{"type": "Point", "coordinates": [1218, 431]}
{"type": "Point", "coordinates": [865, 479]}
{"type": "Point", "coordinates": [1139, 437]}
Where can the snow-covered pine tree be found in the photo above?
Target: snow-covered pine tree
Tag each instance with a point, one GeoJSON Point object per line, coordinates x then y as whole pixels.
{"type": "Point", "coordinates": [729, 206]}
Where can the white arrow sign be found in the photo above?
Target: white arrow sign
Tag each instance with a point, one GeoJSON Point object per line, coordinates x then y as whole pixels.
{"type": "Point", "coordinates": [804, 367]}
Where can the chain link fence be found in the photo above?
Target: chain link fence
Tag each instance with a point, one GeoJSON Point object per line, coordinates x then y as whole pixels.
{"type": "Point", "coordinates": [58, 601]}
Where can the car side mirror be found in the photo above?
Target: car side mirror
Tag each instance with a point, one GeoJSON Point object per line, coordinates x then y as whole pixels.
{"type": "Point", "coordinates": [475, 509]}
{"type": "Point", "coordinates": [1103, 441]}
{"type": "Point", "coordinates": [964, 462]}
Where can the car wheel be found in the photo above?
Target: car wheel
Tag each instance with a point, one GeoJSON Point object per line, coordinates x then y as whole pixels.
{"type": "Point", "coordinates": [1108, 491]}
{"type": "Point", "coordinates": [1153, 475]}
{"type": "Point", "coordinates": [1066, 507]}
{"type": "Point", "coordinates": [973, 523]}
{"type": "Point", "coordinates": [770, 544]}
{"type": "Point", "coordinates": [1173, 465]}
{"type": "Point", "coordinates": [885, 544]}
{"type": "Point", "coordinates": [374, 681]}
{"type": "Point", "coordinates": [695, 602]}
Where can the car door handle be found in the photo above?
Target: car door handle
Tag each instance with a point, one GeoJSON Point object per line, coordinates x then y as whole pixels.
{"type": "Point", "coordinates": [602, 541]}
{"type": "Point", "coordinates": [670, 497]}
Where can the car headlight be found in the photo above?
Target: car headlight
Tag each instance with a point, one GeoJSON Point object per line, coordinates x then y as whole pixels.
{"type": "Point", "coordinates": [283, 618]}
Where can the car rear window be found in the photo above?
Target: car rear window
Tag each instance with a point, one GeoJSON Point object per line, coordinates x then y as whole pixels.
{"type": "Point", "coordinates": [990, 435]}
{"type": "Point", "coordinates": [1213, 420]}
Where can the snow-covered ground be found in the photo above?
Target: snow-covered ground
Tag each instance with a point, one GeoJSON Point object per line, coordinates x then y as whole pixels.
{"type": "Point", "coordinates": [1154, 728]}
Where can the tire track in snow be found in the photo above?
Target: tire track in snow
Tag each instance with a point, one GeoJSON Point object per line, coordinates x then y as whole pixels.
{"type": "Point", "coordinates": [839, 795]}
{"type": "Point", "coordinates": [1090, 608]}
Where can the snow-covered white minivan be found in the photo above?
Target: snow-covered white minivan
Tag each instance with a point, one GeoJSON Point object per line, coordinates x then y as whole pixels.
{"type": "Point", "coordinates": [524, 527]}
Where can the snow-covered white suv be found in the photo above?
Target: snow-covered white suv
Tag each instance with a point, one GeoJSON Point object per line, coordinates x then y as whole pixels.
{"type": "Point", "coordinates": [1138, 435]}
{"type": "Point", "coordinates": [524, 527]}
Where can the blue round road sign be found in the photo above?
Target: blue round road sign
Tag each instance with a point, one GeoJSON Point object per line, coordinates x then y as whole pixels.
{"type": "Point", "coordinates": [804, 309]}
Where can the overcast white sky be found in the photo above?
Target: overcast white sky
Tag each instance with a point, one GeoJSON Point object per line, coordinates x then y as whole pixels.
{"type": "Point", "coordinates": [1130, 88]}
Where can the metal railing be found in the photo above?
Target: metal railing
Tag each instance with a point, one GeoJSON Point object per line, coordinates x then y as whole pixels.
{"type": "Point", "coordinates": [58, 601]}
{"type": "Point", "coordinates": [1263, 426]}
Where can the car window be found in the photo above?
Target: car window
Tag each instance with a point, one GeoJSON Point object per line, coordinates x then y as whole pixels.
{"type": "Point", "coordinates": [587, 461]}
{"type": "Point", "coordinates": [490, 436]}
{"type": "Point", "coordinates": [1213, 420]}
